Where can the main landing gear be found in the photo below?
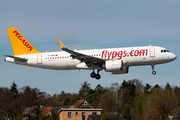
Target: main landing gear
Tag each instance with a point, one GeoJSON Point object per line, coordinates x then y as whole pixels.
{"type": "Point", "coordinates": [94, 75]}
{"type": "Point", "coordinates": [153, 72]}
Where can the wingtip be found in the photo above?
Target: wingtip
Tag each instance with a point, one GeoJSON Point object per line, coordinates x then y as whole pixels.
{"type": "Point", "coordinates": [60, 43]}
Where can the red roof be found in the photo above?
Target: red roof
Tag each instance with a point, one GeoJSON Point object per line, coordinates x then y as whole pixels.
{"type": "Point", "coordinates": [78, 103]}
{"type": "Point", "coordinates": [46, 110]}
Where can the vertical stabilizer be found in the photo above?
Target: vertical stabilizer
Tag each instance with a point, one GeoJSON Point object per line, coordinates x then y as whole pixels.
{"type": "Point", "coordinates": [19, 43]}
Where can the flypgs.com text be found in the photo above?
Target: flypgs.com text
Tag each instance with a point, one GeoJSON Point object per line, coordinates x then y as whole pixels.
{"type": "Point", "coordinates": [120, 54]}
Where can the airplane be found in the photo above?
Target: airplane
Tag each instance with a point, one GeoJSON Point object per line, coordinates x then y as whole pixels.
{"type": "Point", "coordinates": [114, 60]}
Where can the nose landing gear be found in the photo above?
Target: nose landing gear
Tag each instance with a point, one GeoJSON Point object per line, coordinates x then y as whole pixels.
{"type": "Point", "coordinates": [153, 72]}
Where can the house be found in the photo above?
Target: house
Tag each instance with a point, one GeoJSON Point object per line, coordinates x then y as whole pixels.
{"type": "Point", "coordinates": [46, 110]}
{"type": "Point", "coordinates": [55, 109]}
{"type": "Point", "coordinates": [82, 104]}
{"type": "Point", "coordinates": [79, 111]}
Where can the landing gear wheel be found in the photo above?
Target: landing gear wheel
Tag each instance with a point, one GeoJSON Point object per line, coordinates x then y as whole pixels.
{"type": "Point", "coordinates": [93, 74]}
{"type": "Point", "coordinates": [98, 76]}
{"type": "Point", "coordinates": [154, 72]}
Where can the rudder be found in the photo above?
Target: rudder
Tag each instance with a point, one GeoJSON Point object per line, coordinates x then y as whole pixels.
{"type": "Point", "coordinates": [19, 43]}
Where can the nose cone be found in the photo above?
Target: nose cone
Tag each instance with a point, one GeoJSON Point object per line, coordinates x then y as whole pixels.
{"type": "Point", "coordinates": [173, 56]}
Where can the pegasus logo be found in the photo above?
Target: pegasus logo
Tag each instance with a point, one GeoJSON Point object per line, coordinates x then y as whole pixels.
{"type": "Point", "coordinates": [23, 40]}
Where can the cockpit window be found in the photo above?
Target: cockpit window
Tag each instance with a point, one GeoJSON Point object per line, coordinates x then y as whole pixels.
{"type": "Point", "coordinates": [167, 51]}
{"type": "Point", "coordinates": [163, 51]}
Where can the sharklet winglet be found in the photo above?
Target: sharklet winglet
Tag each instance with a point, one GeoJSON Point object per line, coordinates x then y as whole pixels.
{"type": "Point", "coordinates": [60, 44]}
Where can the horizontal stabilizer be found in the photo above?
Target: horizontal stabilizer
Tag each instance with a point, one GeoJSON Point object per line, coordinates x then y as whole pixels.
{"type": "Point", "coordinates": [17, 58]}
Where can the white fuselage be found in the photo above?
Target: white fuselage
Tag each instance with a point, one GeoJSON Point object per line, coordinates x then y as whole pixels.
{"type": "Point", "coordinates": [131, 56]}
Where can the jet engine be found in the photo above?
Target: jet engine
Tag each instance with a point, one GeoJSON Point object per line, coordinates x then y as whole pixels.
{"type": "Point", "coordinates": [116, 67]}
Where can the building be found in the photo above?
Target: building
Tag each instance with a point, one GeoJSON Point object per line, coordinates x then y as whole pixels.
{"type": "Point", "coordinates": [77, 113]}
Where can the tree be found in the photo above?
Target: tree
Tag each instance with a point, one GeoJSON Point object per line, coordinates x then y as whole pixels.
{"type": "Point", "coordinates": [66, 101]}
{"type": "Point", "coordinates": [126, 94]}
{"type": "Point", "coordinates": [107, 116]}
{"type": "Point", "coordinates": [14, 89]}
{"type": "Point", "coordinates": [130, 86]}
{"type": "Point", "coordinates": [177, 91]}
{"type": "Point", "coordinates": [155, 87]}
{"type": "Point", "coordinates": [107, 102]}
{"type": "Point", "coordinates": [84, 90]}
{"type": "Point", "coordinates": [153, 114]}
{"type": "Point", "coordinates": [93, 96]}
{"type": "Point", "coordinates": [90, 97]}
{"type": "Point", "coordinates": [38, 111]}
{"type": "Point", "coordinates": [115, 88]}
{"type": "Point", "coordinates": [138, 106]}
{"type": "Point", "coordinates": [147, 88]}
{"type": "Point", "coordinates": [168, 87]}
{"type": "Point", "coordinates": [162, 100]}
{"type": "Point", "coordinates": [176, 113]}
{"type": "Point", "coordinates": [139, 91]}
{"type": "Point", "coordinates": [126, 114]}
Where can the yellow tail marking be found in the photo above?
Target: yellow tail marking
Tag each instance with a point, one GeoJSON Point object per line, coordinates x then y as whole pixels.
{"type": "Point", "coordinates": [19, 43]}
{"type": "Point", "coordinates": [60, 43]}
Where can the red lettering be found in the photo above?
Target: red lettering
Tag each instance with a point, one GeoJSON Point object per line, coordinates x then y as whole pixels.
{"type": "Point", "coordinates": [20, 37]}
{"type": "Point", "coordinates": [106, 53]}
{"type": "Point", "coordinates": [16, 33]}
{"type": "Point", "coordinates": [143, 51]}
{"type": "Point", "coordinates": [136, 53]}
{"type": "Point", "coordinates": [27, 44]}
{"type": "Point", "coordinates": [24, 42]}
{"type": "Point", "coordinates": [109, 55]}
{"type": "Point", "coordinates": [114, 54]}
{"type": "Point", "coordinates": [131, 53]}
{"type": "Point", "coordinates": [31, 48]}
{"type": "Point", "coordinates": [120, 55]}
{"type": "Point", "coordinates": [103, 54]}
{"type": "Point", "coordinates": [125, 53]}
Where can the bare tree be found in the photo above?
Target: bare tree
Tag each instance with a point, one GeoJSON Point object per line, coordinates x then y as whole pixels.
{"type": "Point", "coordinates": [162, 100]}
{"type": "Point", "coordinates": [153, 114]}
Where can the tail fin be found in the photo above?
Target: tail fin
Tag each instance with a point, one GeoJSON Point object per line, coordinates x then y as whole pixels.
{"type": "Point", "coordinates": [19, 43]}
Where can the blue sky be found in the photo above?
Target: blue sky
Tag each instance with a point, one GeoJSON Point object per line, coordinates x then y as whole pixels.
{"type": "Point", "coordinates": [89, 24]}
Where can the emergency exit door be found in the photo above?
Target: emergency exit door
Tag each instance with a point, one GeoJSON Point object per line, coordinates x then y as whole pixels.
{"type": "Point", "coordinates": [39, 59]}
{"type": "Point", "coordinates": [152, 52]}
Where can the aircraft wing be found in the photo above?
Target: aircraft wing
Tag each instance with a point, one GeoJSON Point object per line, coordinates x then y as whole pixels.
{"type": "Point", "coordinates": [17, 58]}
{"type": "Point", "coordinates": [89, 60]}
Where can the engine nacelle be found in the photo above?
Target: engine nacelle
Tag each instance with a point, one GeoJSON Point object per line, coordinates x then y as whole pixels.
{"type": "Point", "coordinates": [123, 71]}
{"type": "Point", "coordinates": [114, 65]}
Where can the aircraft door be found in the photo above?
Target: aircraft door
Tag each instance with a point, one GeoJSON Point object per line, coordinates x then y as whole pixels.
{"type": "Point", "coordinates": [152, 51]}
{"type": "Point", "coordinates": [39, 59]}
